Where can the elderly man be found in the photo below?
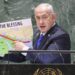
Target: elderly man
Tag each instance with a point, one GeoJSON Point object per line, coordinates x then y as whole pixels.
{"type": "Point", "coordinates": [49, 36]}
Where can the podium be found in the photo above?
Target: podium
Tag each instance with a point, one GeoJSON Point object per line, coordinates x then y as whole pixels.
{"type": "Point", "coordinates": [26, 68]}
{"type": "Point", "coordinates": [30, 69]}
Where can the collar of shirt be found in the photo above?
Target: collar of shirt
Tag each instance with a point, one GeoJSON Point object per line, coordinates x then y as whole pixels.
{"type": "Point", "coordinates": [42, 33]}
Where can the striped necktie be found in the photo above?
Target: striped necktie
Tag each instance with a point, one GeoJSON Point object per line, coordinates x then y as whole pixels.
{"type": "Point", "coordinates": [39, 40]}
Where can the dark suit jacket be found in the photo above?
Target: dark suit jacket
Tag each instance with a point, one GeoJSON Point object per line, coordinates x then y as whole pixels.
{"type": "Point", "coordinates": [55, 39]}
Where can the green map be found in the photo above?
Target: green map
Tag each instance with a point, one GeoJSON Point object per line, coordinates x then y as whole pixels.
{"type": "Point", "coordinates": [5, 45]}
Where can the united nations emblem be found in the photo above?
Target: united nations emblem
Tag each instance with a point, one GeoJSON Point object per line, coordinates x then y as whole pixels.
{"type": "Point", "coordinates": [48, 71]}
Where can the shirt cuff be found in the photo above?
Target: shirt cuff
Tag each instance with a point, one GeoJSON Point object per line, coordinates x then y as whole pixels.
{"type": "Point", "coordinates": [26, 48]}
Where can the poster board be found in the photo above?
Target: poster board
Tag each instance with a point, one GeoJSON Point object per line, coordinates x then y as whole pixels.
{"type": "Point", "coordinates": [19, 30]}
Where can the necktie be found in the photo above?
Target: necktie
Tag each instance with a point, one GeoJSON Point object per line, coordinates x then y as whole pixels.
{"type": "Point", "coordinates": [39, 40]}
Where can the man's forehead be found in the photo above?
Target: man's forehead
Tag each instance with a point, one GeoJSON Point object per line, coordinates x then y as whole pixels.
{"type": "Point", "coordinates": [42, 13]}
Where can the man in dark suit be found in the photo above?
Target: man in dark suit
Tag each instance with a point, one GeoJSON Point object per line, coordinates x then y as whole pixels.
{"type": "Point", "coordinates": [54, 38]}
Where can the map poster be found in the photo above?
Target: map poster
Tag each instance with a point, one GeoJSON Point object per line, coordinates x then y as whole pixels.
{"type": "Point", "coordinates": [18, 30]}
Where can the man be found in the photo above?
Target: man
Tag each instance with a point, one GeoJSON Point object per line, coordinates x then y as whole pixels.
{"type": "Point", "coordinates": [54, 38]}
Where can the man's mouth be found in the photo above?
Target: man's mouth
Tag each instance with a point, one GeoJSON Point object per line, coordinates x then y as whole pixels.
{"type": "Point", "coordinates": [42, 26]}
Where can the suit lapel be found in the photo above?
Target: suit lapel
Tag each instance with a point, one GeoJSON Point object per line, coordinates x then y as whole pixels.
{"type": "Point", "coordinates": [35, 40]}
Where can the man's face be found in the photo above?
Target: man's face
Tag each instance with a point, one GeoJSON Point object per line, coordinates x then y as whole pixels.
{"type": "Point", "coordinates": [44, 20]}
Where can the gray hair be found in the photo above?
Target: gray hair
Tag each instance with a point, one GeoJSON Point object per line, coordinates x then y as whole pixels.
{"type": "Point", "coordinates": [47, 5]}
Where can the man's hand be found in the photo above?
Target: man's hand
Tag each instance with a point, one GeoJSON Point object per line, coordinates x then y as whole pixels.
{"type": "Point", "coordinates": [20, 46]}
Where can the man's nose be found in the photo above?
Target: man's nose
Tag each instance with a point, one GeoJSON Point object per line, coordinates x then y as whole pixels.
{"type": "Point", "coordinates": [40, 21]}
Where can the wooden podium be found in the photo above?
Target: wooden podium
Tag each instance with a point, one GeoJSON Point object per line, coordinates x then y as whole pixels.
{"type": "Point", "coordinates": [37, 69]}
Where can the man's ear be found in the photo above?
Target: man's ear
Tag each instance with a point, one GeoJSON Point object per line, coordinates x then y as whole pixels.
{"type": "Point", "coordinates": [54, 17]}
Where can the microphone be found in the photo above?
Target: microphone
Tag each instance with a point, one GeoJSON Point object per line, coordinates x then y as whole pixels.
{"type": "Point", "coordinates": [59, 53]}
